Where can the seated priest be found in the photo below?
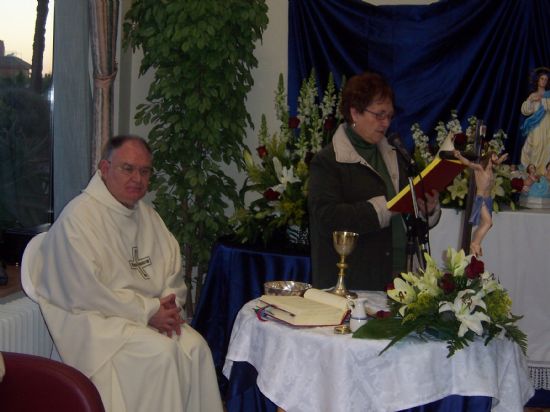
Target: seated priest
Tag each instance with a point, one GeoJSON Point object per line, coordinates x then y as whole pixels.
{"type": "Point", "coordinates": [111, 291]}
{"type": "Point", "coordinates": [351, 180]}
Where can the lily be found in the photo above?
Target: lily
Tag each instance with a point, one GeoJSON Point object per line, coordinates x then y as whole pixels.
{"type": "Point", "coordinates": [284, 174]}
{"type": "Point", "coordinates": [459, 188]}
{"type": "Point", "coordinates": [403, 292]}
{"type": "Point", "coordinates": [488, 283]}
{"type": "Point", "coordinates": [497, 189]}
{"type": "Point", "coordinates": [457, 261]}
{"type": "Point", "coordinates": [428, 282]}
{"type": "Point", "coordinates": [464, 307]}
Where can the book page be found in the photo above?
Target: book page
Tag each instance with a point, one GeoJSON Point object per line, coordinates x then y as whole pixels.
{"type": "Point", "coordinates": [328, 298]}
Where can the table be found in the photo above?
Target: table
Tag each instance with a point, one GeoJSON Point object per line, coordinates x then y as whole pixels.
{"type": "Point", "coordinates": [312, 369]}
{"type": "Point", "coordinates": [236, 275]}
{"type": "Point", "coordinates": [516, 250]}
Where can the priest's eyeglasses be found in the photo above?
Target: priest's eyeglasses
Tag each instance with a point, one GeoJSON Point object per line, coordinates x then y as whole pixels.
{"type": "Point", "coordinates": [381, 115]}
{"type": "Point", "coordinates": [128, 170]}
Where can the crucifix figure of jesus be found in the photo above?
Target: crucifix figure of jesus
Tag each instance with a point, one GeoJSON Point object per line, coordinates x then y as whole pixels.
{"type": "Point", "coordinates": [483, 204]}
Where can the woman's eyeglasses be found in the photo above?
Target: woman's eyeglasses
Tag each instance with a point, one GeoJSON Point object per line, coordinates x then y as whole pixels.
{"type": "Point", "coordinates": [381, 115]}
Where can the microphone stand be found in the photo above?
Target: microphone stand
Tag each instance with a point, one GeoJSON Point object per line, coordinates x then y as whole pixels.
{"type": "Point", "coordinates": [417, 229]}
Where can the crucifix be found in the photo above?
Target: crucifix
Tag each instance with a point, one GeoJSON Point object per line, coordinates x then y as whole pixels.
{"type": "Point", "coordinates": [466, 225]}
{"type": "Point", "coordinates": [139, 263]}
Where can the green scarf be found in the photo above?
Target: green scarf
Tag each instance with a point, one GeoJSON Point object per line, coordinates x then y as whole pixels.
{"type": "Point", "coordinates": [372, 155]}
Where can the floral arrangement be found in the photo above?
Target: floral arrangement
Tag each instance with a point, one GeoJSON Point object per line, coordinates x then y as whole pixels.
{"type": "Point", "coordinates": [278, 176]}
{"type": "Point", "coordinates": [506, 188]}
{"type": "Point", "coordinates": [456, 304]}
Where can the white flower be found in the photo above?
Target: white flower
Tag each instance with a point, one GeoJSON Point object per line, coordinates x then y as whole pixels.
{"type": "Point", "coordinates": [489, 284]}
{"type": "Point", "coordinates": [496, 144]}
{"type": "Point", "coordinates": [457, 261]}
{"type": "Point", "coordinates": [427, 283]}
{"type": "Point", "coordinates": [464, 307]}
{"type": "Point", "coordinates": [421, 144]}
{"type": "Point", "coordinates": [459, 188]}
{"type": "Point", "coordinates": [403, 293]}
{"type": "Point", "coordinates": [441, 131]}
{"type": "Point", "coordinates": [410, 277]}
{"type": "Point", "coordinates": [284, 174]}
{"type": "Point", "coordinates": [497, 189]}
{"type": "Point", "coordinates": [453, 125]}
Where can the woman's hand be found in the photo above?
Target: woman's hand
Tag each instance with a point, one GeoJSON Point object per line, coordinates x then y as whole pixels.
{"type": "Point", "coordinates": [535, 97]}
{"type": "Point", "coordinates": [430, 205]}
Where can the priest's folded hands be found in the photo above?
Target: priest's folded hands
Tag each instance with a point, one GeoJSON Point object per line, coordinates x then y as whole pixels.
{"type": "Point", "coordinates": [168, 318]}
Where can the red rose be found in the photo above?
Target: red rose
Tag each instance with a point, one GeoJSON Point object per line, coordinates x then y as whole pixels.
{"type": "Point", "coordinates": [517, 184]}
{"type": "Point", "coordinates": [262, 152]}
{"type": "Point", "coordinates": [460, 139]}
{"type": "Point", "coordinates": [475, 268]}
{"type": "Point", "coordinates": [329, 124]}
{"type": "Point", "coordinates": [271, 194]}
{"type": "Point", "coordinates": [293, 122]}
{"type": "Point", "coordinates": [383, 314]}
{"type": "Point", "coordinates": [447, 283]}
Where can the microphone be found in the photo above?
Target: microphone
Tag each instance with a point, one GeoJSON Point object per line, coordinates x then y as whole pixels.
{"type": "Point", "coordinates": [397, 143]}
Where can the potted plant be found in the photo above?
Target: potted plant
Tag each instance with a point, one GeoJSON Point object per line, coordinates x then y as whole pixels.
{"type": "Point", "coordinates": [202, 54]}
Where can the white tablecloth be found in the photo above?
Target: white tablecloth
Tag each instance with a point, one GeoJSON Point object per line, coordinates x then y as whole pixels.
{"type": "Point", "coordinates": [315, 370]}
{"type": "Point", "coordinates": [517, 251]}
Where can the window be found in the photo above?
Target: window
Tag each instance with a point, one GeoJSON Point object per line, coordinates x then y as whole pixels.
{"type": "Point", "coordinates": [26, 99]}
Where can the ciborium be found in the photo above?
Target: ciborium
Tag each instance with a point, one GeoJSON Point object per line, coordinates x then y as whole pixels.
{"type": "Point", "coordinates": [344, 243]}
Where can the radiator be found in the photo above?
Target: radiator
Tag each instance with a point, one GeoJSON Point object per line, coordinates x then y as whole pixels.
{"type": "Point", "coordinates": [23, 330]}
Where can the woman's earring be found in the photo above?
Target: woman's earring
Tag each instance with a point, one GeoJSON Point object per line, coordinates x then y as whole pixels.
{"type": "Point", "coordinates": [353, 125]}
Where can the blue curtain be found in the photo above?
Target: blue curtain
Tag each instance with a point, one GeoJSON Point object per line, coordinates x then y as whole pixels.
{"type": "Point", "coordinates": [470, 55]}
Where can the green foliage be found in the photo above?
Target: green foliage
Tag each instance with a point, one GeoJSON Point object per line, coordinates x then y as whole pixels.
{"type": "Point", "coordinates": [202, 55]}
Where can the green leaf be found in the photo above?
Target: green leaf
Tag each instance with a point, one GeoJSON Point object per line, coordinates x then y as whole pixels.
{"type": "Point", "coordinates": [386, 328]}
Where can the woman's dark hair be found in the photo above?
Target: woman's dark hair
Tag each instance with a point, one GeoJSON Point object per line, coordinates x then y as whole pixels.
{"type": "Point", "coordinates": [115, 142]}
{"type": "Point", "coordinates": [362, 90]}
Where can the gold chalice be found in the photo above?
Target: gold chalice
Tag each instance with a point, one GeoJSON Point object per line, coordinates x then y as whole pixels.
{"type": "Point", "coordinates": [344, 243]}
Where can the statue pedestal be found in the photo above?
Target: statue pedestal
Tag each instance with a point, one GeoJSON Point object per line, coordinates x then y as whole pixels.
{"type": "Point", "coordinates": [531, 202]}
{"type": "Point", "coordinates": [538, 196]}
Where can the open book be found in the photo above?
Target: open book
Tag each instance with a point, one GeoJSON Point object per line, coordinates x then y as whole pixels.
{"type": "Point", "coordinates": [316, 308]}
{"type": "Point", "coordinates": [436, 176]}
